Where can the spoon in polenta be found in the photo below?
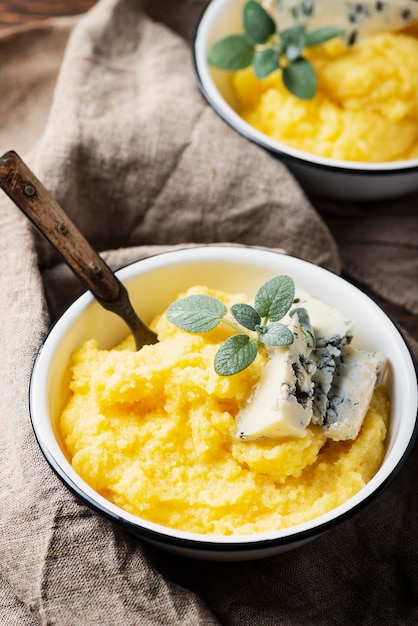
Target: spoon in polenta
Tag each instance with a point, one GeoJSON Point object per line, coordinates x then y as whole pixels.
{"type": "Point", "coordinates": [33, 199]}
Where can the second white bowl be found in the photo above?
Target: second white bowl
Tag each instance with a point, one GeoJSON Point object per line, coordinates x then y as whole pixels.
{"type": "Point", "coordinates": [331, 178]}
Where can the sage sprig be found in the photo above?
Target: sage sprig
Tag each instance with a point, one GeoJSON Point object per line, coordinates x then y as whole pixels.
{"type": "Point", "coordinates": [267, 49]}
{"type": "Point", "coordinates": [201, 313]}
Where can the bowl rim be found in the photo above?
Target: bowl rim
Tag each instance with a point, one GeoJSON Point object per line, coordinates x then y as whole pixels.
{"type": "Point", "coordinates": [163, 534]}
{"type": "Point", "coordinates": [287, 153]}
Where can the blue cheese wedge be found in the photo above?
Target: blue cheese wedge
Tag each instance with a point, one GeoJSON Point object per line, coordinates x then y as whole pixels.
{"type": "Point", "coordinates": [357, 19]}
{"type": "Point", "coordinates": [281, 403]}
{"type": "Point", "coordinates": [326, 359]}
{"type": "Point", "coordinates": [357, 374]}
{"type": "Point", "coordinates": [330, 385]}
{"type": "Point", "coordinates": [332, 332]}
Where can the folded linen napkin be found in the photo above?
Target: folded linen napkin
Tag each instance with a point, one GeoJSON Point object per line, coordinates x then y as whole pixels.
{"type": "Point", "coordinates": [106, 110]}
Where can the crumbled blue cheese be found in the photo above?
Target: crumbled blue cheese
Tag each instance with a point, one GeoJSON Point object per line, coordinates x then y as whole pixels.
{"type": "Point", "coordinates": [358, 19]}
{"type": "Point", "coordinates": [357, 374]}
{"type": "Point", "coordinates": [326, 359]}
{"type": "Point", "coordinates": [281, 403]}
{"type": "Point", "coordinates": [330, 385]}
{"type": "Point", "coordinates": [332, 331]}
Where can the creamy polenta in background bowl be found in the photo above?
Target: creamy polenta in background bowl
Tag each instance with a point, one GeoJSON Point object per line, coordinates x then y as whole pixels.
{"type": "Point", "coordinates": [357, 137]}
{"type": "Point", "coordinates": [161, 443]}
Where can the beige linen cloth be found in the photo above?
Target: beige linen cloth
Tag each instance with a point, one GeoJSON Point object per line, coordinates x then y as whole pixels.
{"type": "Point", "coordinates": [105, 108]}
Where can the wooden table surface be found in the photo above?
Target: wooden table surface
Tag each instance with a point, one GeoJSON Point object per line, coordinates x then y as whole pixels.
{"type": "Point", "coordinates": [23, 11]}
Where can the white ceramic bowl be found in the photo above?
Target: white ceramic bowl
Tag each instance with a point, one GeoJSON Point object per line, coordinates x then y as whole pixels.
{"type": "Point", "coordinates": [154, 283]}
{"type": "Point", "coordinates": [331, 178]}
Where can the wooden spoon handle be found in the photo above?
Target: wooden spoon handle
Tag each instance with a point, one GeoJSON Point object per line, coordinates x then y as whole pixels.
{"type": "Point", "coordinates": [29, 194]}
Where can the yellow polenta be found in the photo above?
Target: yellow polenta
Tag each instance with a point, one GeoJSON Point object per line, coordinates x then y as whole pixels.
{"type": "Point", "coordinates": [366, 107]}
{"type": "Point", "coordinates": [152, 431]}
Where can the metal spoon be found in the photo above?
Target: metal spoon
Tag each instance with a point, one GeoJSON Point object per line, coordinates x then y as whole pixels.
{"type": "Point", "coordinates": [29, 194]}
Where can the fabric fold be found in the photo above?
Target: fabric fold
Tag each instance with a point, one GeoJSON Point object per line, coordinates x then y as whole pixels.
{"type": "Point", "coordinates": [135, 156]}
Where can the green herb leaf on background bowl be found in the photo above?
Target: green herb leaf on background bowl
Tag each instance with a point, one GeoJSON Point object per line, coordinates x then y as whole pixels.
{"type": "Point", "coordinates": [268, 49]}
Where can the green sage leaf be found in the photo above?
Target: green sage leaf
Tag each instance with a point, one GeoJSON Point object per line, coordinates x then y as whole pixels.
{"type": "Point", "coordinates": [305, 324]}
{"type": "Point", "coordinates": [275, 297]}
{"type": "Point", "coordinates": [258, 24]}
{"type": "Point", "coordinates": [196, 313]}
{"type": "Point", "coordinates": [233, 52]}
{"type": "Point", "coordinates": [321, 35]}
{"type": "Point", "coordinates": [246, 315]}
{"type": "Point", "coordinates": [265, 62]}
{"type": "Point", "coordinates": [299, 78]}
{"type": "Point", "coordinates": [277, 334]}
{"type": "Point", "coordinates": [293, 41]}
{"type": "Point", "coordinates": [235, 355]}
